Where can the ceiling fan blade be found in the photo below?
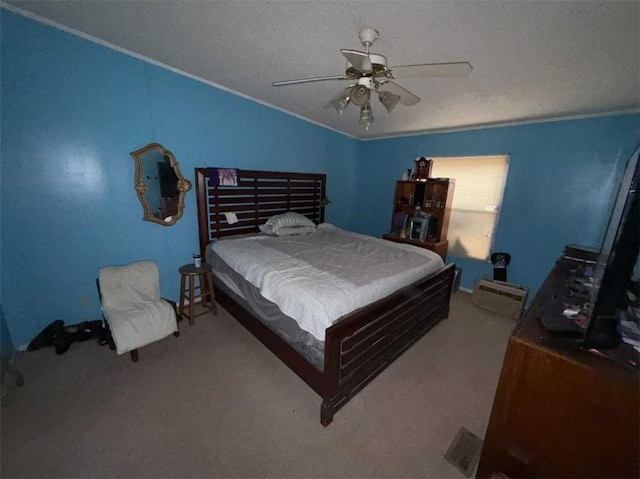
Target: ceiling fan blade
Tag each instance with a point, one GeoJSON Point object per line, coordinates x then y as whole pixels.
{"type": "Point", "coordinates": [308, 80]}
{"type": "Point", "coordinates": [406, 97]}
{"type": "Point", "coordinates": [359, 60]}
{"type": "Point", "coordinates": [456, 69]}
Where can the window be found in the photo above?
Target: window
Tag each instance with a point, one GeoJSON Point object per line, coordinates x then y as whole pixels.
{"type": "Point", "coordinates": [477, 196]}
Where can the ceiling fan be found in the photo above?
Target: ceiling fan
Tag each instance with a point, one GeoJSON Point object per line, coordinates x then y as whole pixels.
{"type": "Point", "coordinates": [368, 72]}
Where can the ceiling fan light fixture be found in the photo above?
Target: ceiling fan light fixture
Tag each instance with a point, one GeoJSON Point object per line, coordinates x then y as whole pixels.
{"type": "Point", "coordinates": [360, 95]}
{"type": "Point", "coordinates": [367, 71]}
{"type": "Point", "coordinates": [341, 103]}
{"type": "Point", "coordinates": [366, 116]}
{"type": "Point", "coordinates": [389, 100]}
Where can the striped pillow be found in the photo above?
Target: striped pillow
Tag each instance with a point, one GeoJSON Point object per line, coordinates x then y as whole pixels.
{"type": "Point", "coordinates": [288, 219]}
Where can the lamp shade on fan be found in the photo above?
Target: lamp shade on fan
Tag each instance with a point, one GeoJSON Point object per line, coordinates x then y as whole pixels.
{"type": "Point", "coordinates": [366, 116]}
{"type": "Point", "coordinates": [389, 100]}
{"type": "Point", "coordinates": [339, 102]}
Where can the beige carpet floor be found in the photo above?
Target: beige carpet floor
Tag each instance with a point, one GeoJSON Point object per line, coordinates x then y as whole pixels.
{"type": "Point", "coordinates": [216, 403]}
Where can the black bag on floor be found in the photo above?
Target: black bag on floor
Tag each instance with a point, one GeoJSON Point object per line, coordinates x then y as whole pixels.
{"type": "Point", "coordinates": [60, 336]}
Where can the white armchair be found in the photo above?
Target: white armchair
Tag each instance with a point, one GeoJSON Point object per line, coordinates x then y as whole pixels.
{"type": "Point", "coordinates": [132, 307]}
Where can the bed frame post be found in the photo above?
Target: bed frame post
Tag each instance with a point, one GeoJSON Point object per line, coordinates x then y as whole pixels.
{"type": "Point", "coordinates": [326, 413]}
{"type": "Point", "coordinates": [203, 210]}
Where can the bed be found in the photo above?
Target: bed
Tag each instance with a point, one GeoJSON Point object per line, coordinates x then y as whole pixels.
{"type": "Point", "coordinates": [358, 345]}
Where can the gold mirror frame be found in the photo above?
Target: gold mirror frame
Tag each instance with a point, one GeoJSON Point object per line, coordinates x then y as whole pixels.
{"type": "Point", "coordinates": [153, 183]}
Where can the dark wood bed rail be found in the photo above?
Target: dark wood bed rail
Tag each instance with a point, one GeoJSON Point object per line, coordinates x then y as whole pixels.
{"type": "Point", "coordinates": [258, 196]}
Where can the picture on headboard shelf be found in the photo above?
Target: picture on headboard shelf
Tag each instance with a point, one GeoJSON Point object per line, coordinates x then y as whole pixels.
{"type": "Point", "coordinates": [223, 176]}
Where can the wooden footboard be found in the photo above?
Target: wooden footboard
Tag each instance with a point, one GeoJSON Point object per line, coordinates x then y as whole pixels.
{"type": "Point", "coordinates": [362, 345]}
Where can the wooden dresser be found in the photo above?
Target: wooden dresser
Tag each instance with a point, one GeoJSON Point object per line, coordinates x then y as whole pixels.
{"type": "Point", "coordinates": [560, 411]}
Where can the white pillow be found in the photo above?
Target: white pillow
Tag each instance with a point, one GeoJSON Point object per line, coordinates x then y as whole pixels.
{"type": "Point", "coordinates": [295, 230]}
{"type": "Point", "coordinates": [288, 219]}
{"type": "Point", "coordinates": [265, 228]}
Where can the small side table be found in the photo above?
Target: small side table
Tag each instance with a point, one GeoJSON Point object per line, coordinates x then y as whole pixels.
{"type": "Point", "coordinates": [204, 288]}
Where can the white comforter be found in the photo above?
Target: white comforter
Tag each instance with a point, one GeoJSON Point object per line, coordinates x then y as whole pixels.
{"type": "Point", "coordinates": [318, 278]}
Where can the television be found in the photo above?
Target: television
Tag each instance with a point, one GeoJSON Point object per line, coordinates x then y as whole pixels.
{"type": "Point", "coordinates": [613, 272]}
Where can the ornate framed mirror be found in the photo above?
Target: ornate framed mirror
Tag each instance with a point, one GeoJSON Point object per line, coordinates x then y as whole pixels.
{"type": "Point", "coordinates": [159, 184]}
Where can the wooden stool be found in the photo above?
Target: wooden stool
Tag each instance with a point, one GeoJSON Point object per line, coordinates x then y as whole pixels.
{"type": "Point", "coordinates": [205, 288]}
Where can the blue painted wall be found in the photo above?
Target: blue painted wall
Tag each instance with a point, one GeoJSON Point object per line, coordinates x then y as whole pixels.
{"type": "Point", "coordinates": [72, 111]}
{"type": "Point", "coordinates": [562, 180]}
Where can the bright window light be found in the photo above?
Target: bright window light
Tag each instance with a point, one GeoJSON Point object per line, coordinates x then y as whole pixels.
{"type": "Point", "coordinates": [477, 197]}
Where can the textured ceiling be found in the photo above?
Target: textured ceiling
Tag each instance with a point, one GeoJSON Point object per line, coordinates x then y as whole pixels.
{"type": "Point", "coordinates": [531, 60]}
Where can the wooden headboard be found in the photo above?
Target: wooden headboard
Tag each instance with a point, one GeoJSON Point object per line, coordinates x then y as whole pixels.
{"type": "Point", "coordinates": [258, 196]}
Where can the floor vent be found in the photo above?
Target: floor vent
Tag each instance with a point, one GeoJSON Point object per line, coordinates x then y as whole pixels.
{"type": "Point", "coordinates": [464, 452]}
